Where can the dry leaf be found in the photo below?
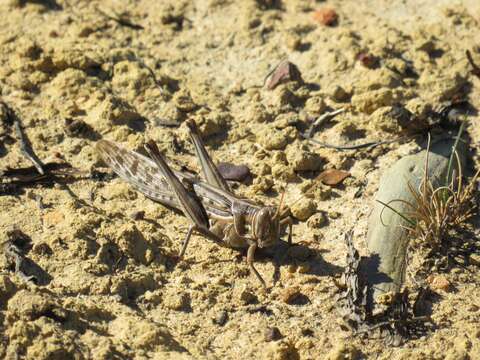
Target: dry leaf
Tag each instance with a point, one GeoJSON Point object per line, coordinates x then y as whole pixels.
{"type": "Point", "coordinates": [333, 177]}
{"type": "Point", "coordinates": [285, 71]}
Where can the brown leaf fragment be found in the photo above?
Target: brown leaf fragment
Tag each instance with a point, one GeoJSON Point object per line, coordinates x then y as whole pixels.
{"type": "Point", "coordinates": [333, 177]}
{"type": "Point", "coordinates": [326, 16]}
{"type": "Point", "coordinates": [285, 71]}
{"type": "Point", "coordinates": [233, 172]}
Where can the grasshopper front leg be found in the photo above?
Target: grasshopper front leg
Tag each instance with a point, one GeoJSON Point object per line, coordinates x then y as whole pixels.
{"type": "Point", "coordinates": [289, 221]}
{"type": "Point", "coordinates": [188, 202]}
{"type": "Point", "coordinates": [251, 260]}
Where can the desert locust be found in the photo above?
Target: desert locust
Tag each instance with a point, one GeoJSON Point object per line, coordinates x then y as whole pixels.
{"type": "Point", "coordinates": [213, 209]}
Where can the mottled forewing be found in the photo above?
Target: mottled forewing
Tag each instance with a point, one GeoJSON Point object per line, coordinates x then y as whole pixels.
{"type": "Point", "coordinates": [138, 170]}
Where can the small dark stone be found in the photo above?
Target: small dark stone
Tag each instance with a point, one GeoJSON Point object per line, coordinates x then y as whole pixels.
{"type": "Point", "coordinates": [272, 334]}
{"type": "Point", "coordinates": [138, 215]}
{"type": "Point", "coordinates": [402, 116]}
{"type": "Point", "coordinates": [221, 318]}
{"type": "Point", "coordinates": [233, 172]}
{"type": "Point", "coordinates": [307, 332]}
{"type": "Point", "coordinates": [79, 128]}
{"type": "Point", "coordinates": [42, 249]}
{"type": "Point", "coordinates": [368, 60]}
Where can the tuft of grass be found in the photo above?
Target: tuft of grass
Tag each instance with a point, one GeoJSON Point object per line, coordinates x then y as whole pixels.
{"type": "Point", "coordinates": [436, 211]}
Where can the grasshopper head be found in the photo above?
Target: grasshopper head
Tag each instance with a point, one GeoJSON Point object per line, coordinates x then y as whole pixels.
{"type": "Point", "coordinates": [266, 227]}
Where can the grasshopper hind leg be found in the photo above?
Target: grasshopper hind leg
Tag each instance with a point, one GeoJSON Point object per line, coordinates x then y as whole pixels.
{"type": "Point", "coordinates": [210, 171]}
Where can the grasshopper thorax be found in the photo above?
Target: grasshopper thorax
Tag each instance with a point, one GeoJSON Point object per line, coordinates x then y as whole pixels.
{"type": "Point", "coordinates": [266, 226]}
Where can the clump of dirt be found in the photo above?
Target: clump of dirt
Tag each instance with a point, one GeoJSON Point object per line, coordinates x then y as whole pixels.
{"type": "Point", "coordinates": [78, 71]}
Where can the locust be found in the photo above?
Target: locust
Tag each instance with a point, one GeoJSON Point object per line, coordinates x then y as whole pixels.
{"type": "Point", "coordinates": [209, 203]}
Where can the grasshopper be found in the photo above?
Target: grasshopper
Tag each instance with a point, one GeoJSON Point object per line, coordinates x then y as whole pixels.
{"type": "Point", "coordinates": [213, 209]}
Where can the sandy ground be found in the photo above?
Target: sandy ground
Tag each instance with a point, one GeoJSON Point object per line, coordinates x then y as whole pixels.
{"type": "Point", "coordinates": [112, 287]}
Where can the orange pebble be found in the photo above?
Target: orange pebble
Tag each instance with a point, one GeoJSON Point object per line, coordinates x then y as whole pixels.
{"type": "Point", "coordinates": [326, 16]}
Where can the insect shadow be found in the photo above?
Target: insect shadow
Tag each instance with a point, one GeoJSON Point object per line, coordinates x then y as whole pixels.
{"type": "Point", "coordinates": [316, 265]}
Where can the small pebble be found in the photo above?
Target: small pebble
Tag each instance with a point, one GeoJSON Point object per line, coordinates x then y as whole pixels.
{"type": "Point", "coordinates": [307, 332]}
{"type": "Point", "coordinates": [221, 318]}
{"type": "Point", "coordinates": [439, 282]}
{"type": "Point", "coordinates": [302, 210]}
{"type": "Point", "coordinates": [177, 302]}
{"type": "Point", "coordinates": [301, 160]}
{"type": "Point", "coordinates": [317, 220]}
{"type": "Point", "coordinates": [42, 249]}
{"type": "Point", "coordinates": [334, 214]}
{"type": "Point", "coordinates": [368, 60]}
{"type": "Point", "coordinates": [293, 296]}
{"type": "Point", "coordinates": [272, 334]}
{"type": "Point", "coordinates": [233, 172]}
{"type": "Point", "coordinates": [326, 16]}
{"type": "Point", "coordinates": [77, 128]}
{"type": "Point", "coordinates": [248, 297]}
{"type": "Point", "coordinates": [333, 177]}
{"type": "Point", "coordinates": [338, 93]}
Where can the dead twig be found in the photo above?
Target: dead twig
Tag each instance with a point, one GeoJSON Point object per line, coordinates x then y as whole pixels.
{"type": "Point", "coordinates": [476, 69]}
{"type": "Point", "coordinates": [25, 145]}
{"type": "Point", "coordinates": [11, 118]}
{"type": "Point", "coordinates": [321, 120]}
{"type": "Point", "coordinates": [370, 144]}
{"type": "Point", "coordinates": [121, 20]}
